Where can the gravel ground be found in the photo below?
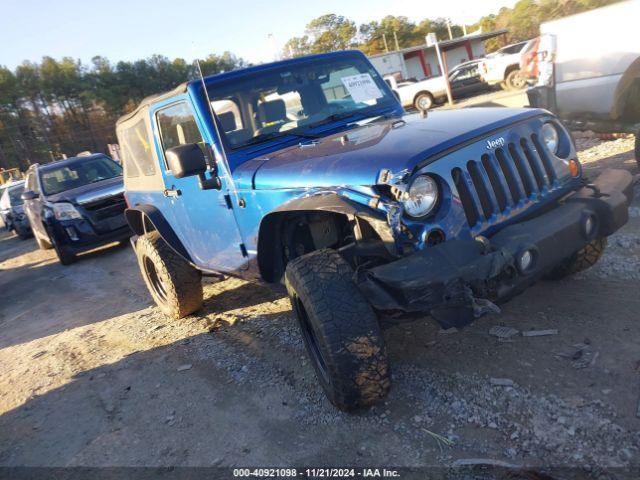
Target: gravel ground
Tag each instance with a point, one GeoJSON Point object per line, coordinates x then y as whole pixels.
{"type": "Point", "coordinates": [94, 375]}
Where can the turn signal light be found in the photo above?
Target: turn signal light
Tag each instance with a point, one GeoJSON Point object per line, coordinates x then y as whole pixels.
{"type": "Point", "coordinates": [574, 168]}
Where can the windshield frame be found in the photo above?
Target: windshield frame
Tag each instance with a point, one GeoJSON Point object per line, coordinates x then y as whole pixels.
{"type": "Point", "coordinates": [387, 101]}
{"type": "Point", "coordinates": [52, 167]}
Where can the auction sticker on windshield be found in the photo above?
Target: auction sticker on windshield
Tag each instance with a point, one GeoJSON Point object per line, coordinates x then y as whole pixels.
{"type": "Point", "coordinates": [361, 87]}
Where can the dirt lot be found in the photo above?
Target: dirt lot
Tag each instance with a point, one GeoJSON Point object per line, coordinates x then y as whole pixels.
{"type": "Point", "coordinates": [92, 374]}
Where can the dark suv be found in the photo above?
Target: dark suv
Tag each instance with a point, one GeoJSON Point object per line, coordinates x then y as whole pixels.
{"type": "Point", "coordinates": [76, 204]}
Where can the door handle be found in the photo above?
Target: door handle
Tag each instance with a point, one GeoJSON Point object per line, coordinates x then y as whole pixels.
{"type": "Point", "coordinates": [172, 192]}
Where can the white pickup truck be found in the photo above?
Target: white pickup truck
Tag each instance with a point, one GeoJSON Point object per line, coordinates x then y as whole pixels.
{"type": "Point", "coordinates": [421, 95]}
{"type": "Point", "coordinates": [589, 67]}
{"type": "Point", "coordinates": [503, 67]}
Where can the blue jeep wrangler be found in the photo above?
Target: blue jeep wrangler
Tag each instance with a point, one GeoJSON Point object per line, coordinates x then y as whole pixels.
{"type": "Point", "coordinates": [308, 173]}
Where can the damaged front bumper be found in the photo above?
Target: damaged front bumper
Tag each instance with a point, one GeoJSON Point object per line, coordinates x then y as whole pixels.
{"type": "Point", "coordinates": [459, 280]}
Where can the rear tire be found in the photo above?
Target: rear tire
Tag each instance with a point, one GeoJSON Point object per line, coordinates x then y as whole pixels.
{"type": "Point", "coordinates": [340, 330]}
{"type": "Point", "coordinates": [424, 101]}
{"type": "Point", "coordinates": [174, 284]}
{"type": "Point", "coordinates": [581, 260]}
{"type": "Point", "coordinates": [23, 234]}
{"type": "Point", "coordinates": [514, 80]}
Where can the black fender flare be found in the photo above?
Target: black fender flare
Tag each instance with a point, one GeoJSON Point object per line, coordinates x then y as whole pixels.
{"type": "Point", "coordinates": [135, 218]}
{"type": "Point", "coordinates": [269, 235]}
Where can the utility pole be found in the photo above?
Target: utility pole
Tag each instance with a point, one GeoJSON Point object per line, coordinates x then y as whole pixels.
{"type": "Point", "coordinates": [272, 43]}
{"type": "Point", "coordinates": [449, 28]}
{"type": "Point", "coordinates": [432, 40]}
{"type": "Point", "coordinates": [395, 37]}
{"type": "Point", "coordinates": [384, 39]}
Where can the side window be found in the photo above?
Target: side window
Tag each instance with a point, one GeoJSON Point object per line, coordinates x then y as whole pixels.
{"type": "Point", "coordinates": [137, 157]}
{"type": "Point", "coordinates": [31, 183]}
{"type": "Point", "coordinates": [467, 73]}
{"type": "Point", "coordinates": [177, 126]}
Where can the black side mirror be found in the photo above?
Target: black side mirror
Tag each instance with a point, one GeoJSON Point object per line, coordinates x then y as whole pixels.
{"type": "Point", "coordinates": [187, 161]}
{"type": "Point", "coordinates": [29, 195]}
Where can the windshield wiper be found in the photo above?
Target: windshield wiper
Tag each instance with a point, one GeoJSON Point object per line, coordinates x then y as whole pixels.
{"type": "Point", "coordinates": [270, 136]}
{"type": "Point", "coordinates": [304, 132]}
{"type": "Point", "coordinates": [334, 118]}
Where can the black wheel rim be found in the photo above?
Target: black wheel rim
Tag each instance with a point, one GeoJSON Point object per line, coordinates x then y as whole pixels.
{"type": "Point", "coordinates": [311, 341]}
{"type": "Point", "coordinates": [154, 279]}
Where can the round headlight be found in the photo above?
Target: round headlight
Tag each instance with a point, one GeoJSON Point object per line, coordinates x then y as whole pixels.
{"type": "Point", "coordinates": [421, 197]}
{"type": "Point", "coordinates": [550, 137]}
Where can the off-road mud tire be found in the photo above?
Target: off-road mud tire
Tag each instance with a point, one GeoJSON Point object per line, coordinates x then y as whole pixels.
{"type": "Point", "coordinates": [581, 260]}
{"type": "Point", "coordinates": [174, 284]}
{"type": "Point", "coordinates": [336, 320]}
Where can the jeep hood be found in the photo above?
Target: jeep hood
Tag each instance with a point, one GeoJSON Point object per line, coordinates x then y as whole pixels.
{"type": "Point", "coordinates": [356, 156]}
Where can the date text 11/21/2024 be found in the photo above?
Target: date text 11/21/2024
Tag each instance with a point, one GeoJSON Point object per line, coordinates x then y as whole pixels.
{"type": "Point", "coordinates": [316, 473]}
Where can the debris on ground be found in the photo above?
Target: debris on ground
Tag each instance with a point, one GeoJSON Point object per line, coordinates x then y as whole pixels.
{"type": "Point", "coordinates": [472, 462]}
{"type": "Point", "coordinates": [539, 333]}
{"type": "Point", "coordinates": [448, 331]}
{"type": "Point", "coordinates": [182, 368]}
{"type": "Point", "coordinates": [501, 382]}
{"type": "Point", "coordinates": [581, 355]}
{"type": "Point", "coordinates": [503, 332]}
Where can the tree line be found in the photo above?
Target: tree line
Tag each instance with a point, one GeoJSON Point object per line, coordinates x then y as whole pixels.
{"type": "Point", "coordinates": [335, 32]}
{"type": "Point", "coordinates": [58, 107]}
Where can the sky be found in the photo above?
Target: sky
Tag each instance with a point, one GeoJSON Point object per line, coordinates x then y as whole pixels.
{"type": "Point", "coordinates": [252, 29]}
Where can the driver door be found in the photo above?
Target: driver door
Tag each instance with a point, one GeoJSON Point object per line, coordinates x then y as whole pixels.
{"type": "Point", "coordinates": [202, 219]}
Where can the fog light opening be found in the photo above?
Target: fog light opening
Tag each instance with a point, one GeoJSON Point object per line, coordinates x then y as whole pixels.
{"type": "Point", "coordinates": [434, 237]}
{"type": "Point", "coordinates": [73, 235]}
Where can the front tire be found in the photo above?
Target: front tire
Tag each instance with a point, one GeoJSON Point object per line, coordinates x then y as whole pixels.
{"type": "Point", "coordinates": [174, 284]}
{"type": "Point", "coordinates": [340, 330]}
{"type": "Point", "coordinates": [64, 256]}
{"type": "Point", "coordinates": [581, 260]}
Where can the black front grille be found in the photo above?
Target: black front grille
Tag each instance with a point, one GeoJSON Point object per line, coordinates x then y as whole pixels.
{"type": "Point", "coordinates": [106, 208]}
{"type": "Point", "coordinates": [504, 179]}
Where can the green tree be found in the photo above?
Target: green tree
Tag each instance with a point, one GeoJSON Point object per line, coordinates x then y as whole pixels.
{"type": "Point", "coordinates": [327, 33]}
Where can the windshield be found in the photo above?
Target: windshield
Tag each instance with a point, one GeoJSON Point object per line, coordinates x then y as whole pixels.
{"type": "Point", "coordinates": [294, 98]}
{"type": "Point", "coordinates": [14, 195]}
{"type": "Point", "coordinates": [77, 174]}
